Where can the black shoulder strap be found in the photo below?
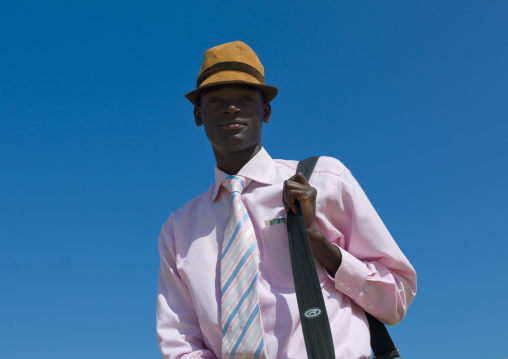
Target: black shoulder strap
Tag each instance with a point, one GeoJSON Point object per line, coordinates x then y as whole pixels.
{"type": "Point", "coordinates": [380, 340]}
{"type": "Point", "coordinates": [314, 318]}
{"type": "Point", "coordinates": [307, 166]}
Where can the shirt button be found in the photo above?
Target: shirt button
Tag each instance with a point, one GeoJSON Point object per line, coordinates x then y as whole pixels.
{"type": "Point", "coordinates": [370, 306]}
{"type": "Point", "coordinates": [347, 289]}
{"type": "Point", "coordinates": [341, 283]}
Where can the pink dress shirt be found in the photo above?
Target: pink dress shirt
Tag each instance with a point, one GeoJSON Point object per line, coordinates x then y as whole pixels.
{"type": "Point", "coordinates": [374, 275]}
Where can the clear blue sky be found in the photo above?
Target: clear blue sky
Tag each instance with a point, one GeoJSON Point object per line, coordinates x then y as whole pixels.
{"type": "Point", "coordinates": [98, 146]}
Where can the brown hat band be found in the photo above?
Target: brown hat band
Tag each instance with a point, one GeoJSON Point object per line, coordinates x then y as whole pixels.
{"type": "Point", "coordinates": [231, 66]}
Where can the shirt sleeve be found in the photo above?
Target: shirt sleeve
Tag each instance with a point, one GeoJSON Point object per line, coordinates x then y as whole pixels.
{"type": "Point", "coordinates": [374, 272]}
{"type": "Point", "coordinates": [178, 330]}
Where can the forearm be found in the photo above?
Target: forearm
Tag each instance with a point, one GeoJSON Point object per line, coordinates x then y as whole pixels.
{"type": "Point", "coordinates": [384, 292]}
{"type": "Point", "coordinates": [385, 287]}
{"type": "Point", "coordinates": [325, 252]}
{"type": "Point", "coordinates": [374, 272]}
{"type": "Point", "coordinates": [178, 330]}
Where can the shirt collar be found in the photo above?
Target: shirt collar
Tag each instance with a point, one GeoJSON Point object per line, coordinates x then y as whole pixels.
{"type": "Point", "coordinates": [261, 168]}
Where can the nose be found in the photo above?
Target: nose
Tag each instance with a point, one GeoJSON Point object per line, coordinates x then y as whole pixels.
{"type": "Point", "coordinates": [231, 109]}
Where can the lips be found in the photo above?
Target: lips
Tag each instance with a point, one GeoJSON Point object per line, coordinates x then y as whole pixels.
{"type": "Point", "coordinates": [233, 124]}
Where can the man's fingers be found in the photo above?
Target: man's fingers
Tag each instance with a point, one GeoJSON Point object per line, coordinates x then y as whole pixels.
{"type": "Point", "coordinates": [286, 208]}
{"type": "Point", "coordinates": [300, 178]}
{"type": "Point", "coordinates": [296, 189]}
{"type": "Point", "coordinates": [288, 198]}
{"type": "Point", "coordinates": [293, 195]}
{"type": "Point", "coordinates": [294, 185]}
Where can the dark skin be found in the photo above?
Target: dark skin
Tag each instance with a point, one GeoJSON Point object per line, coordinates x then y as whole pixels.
{"type": "Point", "coordinates": [297, 189]}
{"type": "Point", "coordinates": [232, 116]}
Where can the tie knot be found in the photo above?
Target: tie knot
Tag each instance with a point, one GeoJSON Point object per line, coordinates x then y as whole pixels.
{"type": "Point", "coordinates": [235, 183]}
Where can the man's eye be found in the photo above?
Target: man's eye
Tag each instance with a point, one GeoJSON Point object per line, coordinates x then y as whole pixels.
{"type": "Point", "coordinates": [213, 100]}
{"type": "Point", "coordinates": [247, 99]}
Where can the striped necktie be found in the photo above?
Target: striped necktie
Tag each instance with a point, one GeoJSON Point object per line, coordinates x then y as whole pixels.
{"type": "Point", "coordinates": [242, 332]}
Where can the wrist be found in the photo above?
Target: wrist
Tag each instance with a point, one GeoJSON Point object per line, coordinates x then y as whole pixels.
{"type": "Point", "coordinates": [325, 252]}
{"type": "Point", "coordinates": [315, 235]}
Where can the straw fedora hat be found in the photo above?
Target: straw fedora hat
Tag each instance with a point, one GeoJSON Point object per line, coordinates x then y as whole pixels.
{"type": "Point", "coordinates": [231, 63]}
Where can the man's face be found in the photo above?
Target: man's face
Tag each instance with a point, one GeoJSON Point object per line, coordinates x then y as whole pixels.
{"type": "Point", "coordinates": [232, 116]}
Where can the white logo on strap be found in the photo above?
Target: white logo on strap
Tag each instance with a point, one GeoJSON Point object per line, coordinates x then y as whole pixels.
{"type": "Point", "coordinates": [312, 313]}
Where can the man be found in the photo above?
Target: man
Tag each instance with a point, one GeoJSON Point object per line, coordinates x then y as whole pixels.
{"type": "Point", "coordinates": [225, 284]}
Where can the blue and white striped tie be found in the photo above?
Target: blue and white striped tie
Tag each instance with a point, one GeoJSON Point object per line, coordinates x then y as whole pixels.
{"type": "Point", "coordinates": [242, 332]}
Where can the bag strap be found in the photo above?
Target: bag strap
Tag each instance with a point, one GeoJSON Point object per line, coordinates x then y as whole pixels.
{"type": "Point", "coordinates": [314, 318]}
{"type": "Point", "coordinates": [380, 340]}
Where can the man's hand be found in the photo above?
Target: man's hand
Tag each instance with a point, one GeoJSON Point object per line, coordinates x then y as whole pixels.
{"type": "Point", "coordinates": [297, 189]}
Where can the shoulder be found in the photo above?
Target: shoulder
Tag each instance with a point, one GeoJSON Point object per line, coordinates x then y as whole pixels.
{"type": "Point", "coordinates": [331, 166]}
{"type": "Point", "coordinates": [178, 228]}
{"type": "Point", "coordinates": [190, 209]}
{"type": "Point", "coordinates": [325, 165]}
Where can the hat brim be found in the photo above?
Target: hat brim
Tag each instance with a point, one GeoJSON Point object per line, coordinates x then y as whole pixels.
{"type": "Point", "coordinates": [270, 92]}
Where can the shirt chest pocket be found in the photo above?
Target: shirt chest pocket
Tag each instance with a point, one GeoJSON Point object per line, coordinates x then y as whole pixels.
{"type": "Point", "coordinates": [276, 259]}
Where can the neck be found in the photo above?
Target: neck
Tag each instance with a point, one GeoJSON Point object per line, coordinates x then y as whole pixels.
{"type": "Point", "coordinates": [232, 162]}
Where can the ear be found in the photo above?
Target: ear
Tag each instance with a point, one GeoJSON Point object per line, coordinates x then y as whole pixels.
{"type": "Point", "coordinates": [267, 112]}
{"type": "Point", "coordinates": [197, 116]}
